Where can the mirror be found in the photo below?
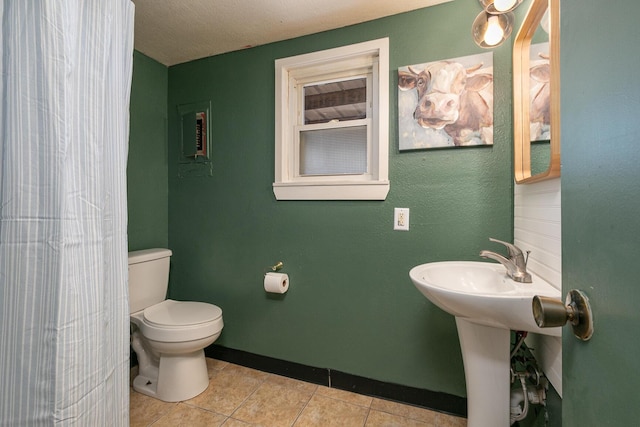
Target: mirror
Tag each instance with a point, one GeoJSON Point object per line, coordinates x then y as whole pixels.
{"type": "Point", "coordinates": [536, 94]}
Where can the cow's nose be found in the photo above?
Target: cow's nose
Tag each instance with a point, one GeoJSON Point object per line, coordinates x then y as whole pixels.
{"type": "Point", "coordinates": [450, 105]}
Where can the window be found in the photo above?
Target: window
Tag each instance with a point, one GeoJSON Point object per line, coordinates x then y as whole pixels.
{"type": "Point", "coordinates": [332, 124]}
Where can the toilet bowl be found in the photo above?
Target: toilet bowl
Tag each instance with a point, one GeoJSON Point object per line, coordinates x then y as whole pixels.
{"type": "Point", "coordinates": [168, 336]}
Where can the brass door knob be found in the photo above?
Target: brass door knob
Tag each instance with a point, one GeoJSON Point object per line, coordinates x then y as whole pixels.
{"type": "Point", "coordinates": [550, 312]}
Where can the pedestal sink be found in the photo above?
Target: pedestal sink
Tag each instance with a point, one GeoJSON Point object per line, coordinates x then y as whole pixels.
{"type": "Point", "coordinates": [487, 305]}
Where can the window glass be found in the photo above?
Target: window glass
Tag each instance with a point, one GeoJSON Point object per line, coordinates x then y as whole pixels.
{"type": "Point", "coordinates": [336, 101]}
{"type": "Point", "coordinates": [334, 151]}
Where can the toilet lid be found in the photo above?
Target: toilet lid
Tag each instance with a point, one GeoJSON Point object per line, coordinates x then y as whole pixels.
{"type": "Point", "coordinates": [181, 313]}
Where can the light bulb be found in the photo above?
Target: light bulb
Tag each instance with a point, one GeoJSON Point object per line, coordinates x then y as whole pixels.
{"type": "Point", "coordinates": [545, 22]}
{"type": "Point", "coordinates": [503, 5]}
{"type": "Point", "coordinates": [494, 33]}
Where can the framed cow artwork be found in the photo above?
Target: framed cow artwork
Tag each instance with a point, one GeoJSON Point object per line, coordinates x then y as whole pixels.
{"type": "Point", "coordinates": [447, 103]}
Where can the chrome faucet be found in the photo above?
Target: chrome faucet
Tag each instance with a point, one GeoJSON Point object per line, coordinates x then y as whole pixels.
{"type": "Point", "coordinates": [516, 264]}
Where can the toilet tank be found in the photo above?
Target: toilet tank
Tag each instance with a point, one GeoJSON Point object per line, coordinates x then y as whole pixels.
{"type": "Point", "coordinates": [148, 278]}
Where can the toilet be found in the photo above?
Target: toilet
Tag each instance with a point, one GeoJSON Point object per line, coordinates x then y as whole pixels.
{"type": "Point", "coordinates": [168, 336]}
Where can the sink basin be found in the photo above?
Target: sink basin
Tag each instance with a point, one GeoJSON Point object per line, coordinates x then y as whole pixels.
{"type": "Point", "coordinates": [487, 305]}
{"type": "Point", "coordinates": [482, 293]}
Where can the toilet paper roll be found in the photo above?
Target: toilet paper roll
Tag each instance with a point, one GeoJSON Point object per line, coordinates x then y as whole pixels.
{"type": "Point", "coordinates": [277, 283]}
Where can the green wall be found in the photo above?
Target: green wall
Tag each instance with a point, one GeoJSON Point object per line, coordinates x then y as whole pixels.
{"type": "Point", "coordinates": [600, 207]}
{"type": "Point", "coordinates": [147, 169]}
{"type": "Point", "coordinates": [351, 305]}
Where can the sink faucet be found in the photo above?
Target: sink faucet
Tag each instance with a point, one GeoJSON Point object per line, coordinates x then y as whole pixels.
{"type": "Point", "coordinates": [516, 264]}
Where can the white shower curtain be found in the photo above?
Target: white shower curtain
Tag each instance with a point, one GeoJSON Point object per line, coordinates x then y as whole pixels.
{"type": "Point", "coordinates": [64, 128]}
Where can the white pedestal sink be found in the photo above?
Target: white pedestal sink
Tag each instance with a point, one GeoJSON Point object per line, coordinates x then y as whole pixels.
{"type": "Point", "coordinates": [487, 305]}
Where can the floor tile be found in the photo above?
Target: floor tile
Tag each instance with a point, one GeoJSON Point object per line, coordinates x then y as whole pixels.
{"type": "Point", "coordinates": [187, 416]}
{"type": "Point", "coordinates": [326, 412]}
{"type": "Point", "coordinates": [235, 423]}
{"type": "Point", "coordinates": [301, 386]}
{"type": "Point", "coordinates": [408, 411]}
{"type": "Point", "coordinates": [354, 398]}
{"type": "Point", "coordinates": [444, 420]}
{"type": "Point", "coordinates": [227, 390]}
{"type": "Point", "coordinates": [272, 405]}
{"type": "Point", "coordinates": [144, 410]}
{"type": "Point", "coordinates": [242, 397]}
{"type": "Point", "coordinates": [246, 372]}
{"type": "Point", "coordinates": [215, 365]}
{"type": "Point", "coordinates": [383, 419]}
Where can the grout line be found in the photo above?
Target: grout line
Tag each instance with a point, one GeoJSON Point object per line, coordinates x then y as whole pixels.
{"type": "Point", "coordinates": [302, 410]}
{"type": "Point", "coordinates": [249, 396]}
{"type": "Point", "coordinates": [366, 418]}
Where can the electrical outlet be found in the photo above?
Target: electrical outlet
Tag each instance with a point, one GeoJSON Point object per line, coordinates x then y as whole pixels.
{"type": "Point", "coordinates": [401, 219]}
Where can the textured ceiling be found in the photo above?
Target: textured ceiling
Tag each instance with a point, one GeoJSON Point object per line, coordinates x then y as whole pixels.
{"type": "Point", "coordinates": [177, 31]}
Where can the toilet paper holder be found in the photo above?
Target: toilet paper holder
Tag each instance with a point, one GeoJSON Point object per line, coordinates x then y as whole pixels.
{"type": "Point", "coordinates": [276, 267]}
{"type": "Point", "coordinates": [551, 312]}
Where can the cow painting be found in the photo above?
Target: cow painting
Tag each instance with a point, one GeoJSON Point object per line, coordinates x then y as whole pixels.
{"type": "Point", "coordinates": [446, 103]}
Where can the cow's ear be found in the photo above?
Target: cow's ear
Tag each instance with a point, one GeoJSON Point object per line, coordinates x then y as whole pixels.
{"type": "Point", "coordinates": [406, 80]}
{"type": "Point", "coordinates": [478, 82]}
{"type": "Point", "coordinates": [541, 73]}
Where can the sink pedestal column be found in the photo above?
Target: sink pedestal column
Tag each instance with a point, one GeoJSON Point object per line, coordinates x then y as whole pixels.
{"type": "Point", "coordinates": [485, 353]}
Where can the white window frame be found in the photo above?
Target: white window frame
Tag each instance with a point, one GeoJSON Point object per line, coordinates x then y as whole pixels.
{"type": "Point", "coordinates": [352, 60]}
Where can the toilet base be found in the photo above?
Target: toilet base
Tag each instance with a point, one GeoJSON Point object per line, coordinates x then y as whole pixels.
{"type": "Point", "coordinates": [179, 377]}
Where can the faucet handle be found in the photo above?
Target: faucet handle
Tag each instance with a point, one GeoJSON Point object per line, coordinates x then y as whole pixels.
{"type": "Point", "coordinates": [513, 250]}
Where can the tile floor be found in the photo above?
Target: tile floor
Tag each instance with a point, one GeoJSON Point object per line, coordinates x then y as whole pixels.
{"type": "Point", "coordinates": [239, 397]}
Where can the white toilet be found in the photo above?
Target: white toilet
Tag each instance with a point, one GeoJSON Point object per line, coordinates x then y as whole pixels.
{"type": "Point", "coordinates": [168, 336]}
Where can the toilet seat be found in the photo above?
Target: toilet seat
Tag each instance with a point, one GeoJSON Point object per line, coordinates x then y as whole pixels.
{"type": "Point", "coordinates": [179, 321]}
{"type": "Point", "coordinates": [172, 314]}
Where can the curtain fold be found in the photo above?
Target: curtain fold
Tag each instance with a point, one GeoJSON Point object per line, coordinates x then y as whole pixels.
{"type": "Point", "coordinates": [64, 127]}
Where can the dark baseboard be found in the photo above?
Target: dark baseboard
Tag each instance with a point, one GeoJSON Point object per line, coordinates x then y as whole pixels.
{"type": "Point", "coordinates": [437, 401]}
{"type": "Point", "coordinates": [269, 364]}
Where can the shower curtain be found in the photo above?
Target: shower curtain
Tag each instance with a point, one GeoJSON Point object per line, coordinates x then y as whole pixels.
{"type": "Point", "coordinates": [64, 129]}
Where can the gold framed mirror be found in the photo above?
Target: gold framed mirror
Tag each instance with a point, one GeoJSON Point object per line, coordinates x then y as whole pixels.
{"type": "Point", "coordinates": [536, 94]}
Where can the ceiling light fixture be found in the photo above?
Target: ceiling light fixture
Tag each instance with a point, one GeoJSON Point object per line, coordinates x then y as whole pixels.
{"type": "Point", "coordinates": [499, 6]}
{"type": "Point", "coordinates": [495, 23]}
{"type": "Point", "coordinates": [491, 30]}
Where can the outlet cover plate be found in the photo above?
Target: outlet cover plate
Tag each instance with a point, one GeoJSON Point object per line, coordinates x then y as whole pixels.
{"type": "Point", "coordinates": [401, 219]}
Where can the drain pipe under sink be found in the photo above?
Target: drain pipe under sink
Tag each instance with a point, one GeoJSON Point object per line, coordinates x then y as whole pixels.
{"type": "Point", "coordinates": [527, 394]}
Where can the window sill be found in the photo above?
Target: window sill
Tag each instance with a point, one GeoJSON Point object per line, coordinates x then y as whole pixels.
{"type": "Point", "coordinates": [375, 190]}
